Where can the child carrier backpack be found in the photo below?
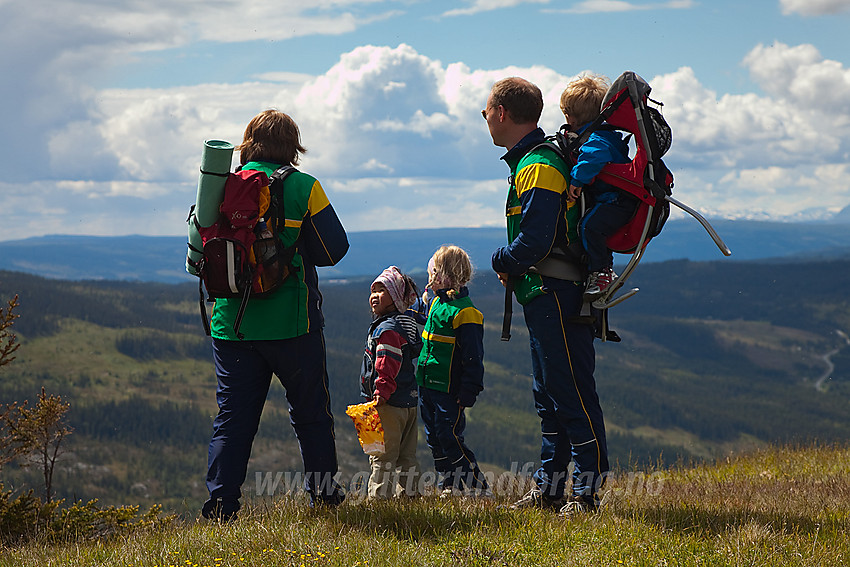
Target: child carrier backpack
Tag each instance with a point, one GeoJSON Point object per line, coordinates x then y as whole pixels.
{"type": "Point", "coordinates": [646, 177]}
{"type": "Point", "coordinates": [242, 254]}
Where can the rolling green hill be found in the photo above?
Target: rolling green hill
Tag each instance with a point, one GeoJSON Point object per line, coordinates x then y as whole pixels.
{"type": "Point", "coordinates": [715, 358]}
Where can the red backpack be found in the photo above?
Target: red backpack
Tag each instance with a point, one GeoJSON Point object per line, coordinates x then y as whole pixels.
{"type": "Point", "coordinates": [242, 254]}
{"type": "Point", "coordinates": [646, 177]}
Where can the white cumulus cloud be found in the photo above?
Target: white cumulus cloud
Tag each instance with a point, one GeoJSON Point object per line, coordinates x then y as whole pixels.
{"type": "Point", "coordinates": [805, 117]}
{"type": "Point", "coordinates": [53, 50]}
{"type": "Point", "coordinates": [814, 7]}
{"type": "Point", "coordinates": [606, 6]}
{"type": "Point", "coordinates": [397, 139]}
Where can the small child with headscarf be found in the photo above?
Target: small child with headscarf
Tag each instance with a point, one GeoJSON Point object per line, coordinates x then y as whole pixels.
{"type": "Point", "coordinates": [387, 375]}
{"type": "Point", "coordinates": [450, 372]}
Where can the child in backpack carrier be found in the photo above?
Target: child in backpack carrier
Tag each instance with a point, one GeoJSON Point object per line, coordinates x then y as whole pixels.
{"type": "Point", "coordinates": [608, 208]}
{"type": "Point", "coordinates": [450, 372]}
{"type": "Point", "coordinates": [388, 376]}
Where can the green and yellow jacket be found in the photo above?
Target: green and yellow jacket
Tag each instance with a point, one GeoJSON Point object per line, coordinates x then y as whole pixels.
{"type": "Point", "coordinates": [539, 218]}
{"type": "Point", "coordinates": [295, 308]}
{"type": "Point", "coordinates": [452, 355]}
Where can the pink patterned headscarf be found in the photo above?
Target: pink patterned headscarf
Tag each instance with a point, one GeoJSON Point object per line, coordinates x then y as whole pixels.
{"type": "Point", "coordinates": [393, 280]}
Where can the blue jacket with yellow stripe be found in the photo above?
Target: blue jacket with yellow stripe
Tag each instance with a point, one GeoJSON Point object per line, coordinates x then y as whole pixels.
{"type": "Point", "coordinates": [295, 308]}
{"type": "Point", "coordinates": [452, 355]}
{"type": "Point", "coordinates": [538, 215]}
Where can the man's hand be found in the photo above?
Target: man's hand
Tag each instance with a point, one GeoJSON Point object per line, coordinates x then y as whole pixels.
{"type": "Point", "coordinates": [503, 277]}
{"type": "Point", "coordinates": [573, 193]}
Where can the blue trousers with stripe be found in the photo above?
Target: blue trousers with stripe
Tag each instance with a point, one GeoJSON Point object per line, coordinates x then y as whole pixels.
{"type": "Point", "coordinates": [244, 370]}
{"type": "Point", "coordinates": [445, 422]}
{"type": "Point", "coordinates": [563, 361]}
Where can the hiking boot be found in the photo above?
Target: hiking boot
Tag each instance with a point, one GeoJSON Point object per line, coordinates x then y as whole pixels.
{"type": "Point", "coordinates": [536, 499]}
{"type": "Point", "coordinates": [220, 510]}
{"type": "Point", "coordinates": [576, 505]}
{"type": "Point", "coordinates": [597, 283]}
{"type": "Point", "coordinates": [331, 501]}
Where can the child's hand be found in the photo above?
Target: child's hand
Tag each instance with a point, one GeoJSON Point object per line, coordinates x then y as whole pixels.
{"type": "Point", "coordinates": [381, 401]}
{"type": "Point", "coordinates": [573, 193]}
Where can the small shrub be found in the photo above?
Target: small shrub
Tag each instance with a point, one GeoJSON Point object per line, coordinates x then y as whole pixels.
{"type": "Point", "coordinates": [22, 517]}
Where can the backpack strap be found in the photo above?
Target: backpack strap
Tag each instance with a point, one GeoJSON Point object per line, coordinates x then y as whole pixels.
{"type": "Point", "coordinates": [276, 191]}
{"type": "Point", "coordinates": [509, 310]}
{"type": "Point", "coordinates": [202, 304]}
{"type": "Point", "coordinates": [563, 261]}
{"type": "Point", "coordinates": [276, 196]}
{"type": "Point", "coordinates": [576, 142]}
{"type": "Point", "coordinates": [241, 312]}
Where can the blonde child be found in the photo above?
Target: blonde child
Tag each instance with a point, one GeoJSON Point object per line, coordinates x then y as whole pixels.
{"type": "Point", "coordinates": [450, 372]}
{"type": "Point", "coordinates": [387, 375]}
{"type": "Point", "coordinates": [609, 208]}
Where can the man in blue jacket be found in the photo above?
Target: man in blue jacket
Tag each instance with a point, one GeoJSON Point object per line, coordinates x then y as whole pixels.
{"type": "Point", "coordinates": [540, 220]}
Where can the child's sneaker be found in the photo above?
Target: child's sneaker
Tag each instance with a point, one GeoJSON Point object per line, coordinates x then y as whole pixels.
{"type": "Point", "coordinates": [451, 492]}
{"type": "Point", "coordinates": [536, 499]}
{"type": "Point", "coordinates": [484, 493]}
{"type": "Point", "coordinates": [598, 282]}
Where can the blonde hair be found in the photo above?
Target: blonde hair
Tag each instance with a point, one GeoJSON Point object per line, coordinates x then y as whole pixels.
{"type": "Point", "coordinates": [582, 99]}
{"type": "Point", "coordinates": [453, 264]}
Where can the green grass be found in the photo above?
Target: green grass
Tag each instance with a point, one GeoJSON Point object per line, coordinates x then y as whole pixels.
{"type": "Point", "coordinates": [776, 506]}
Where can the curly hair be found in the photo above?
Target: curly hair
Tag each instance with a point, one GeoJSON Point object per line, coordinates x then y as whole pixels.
{"type": "Point", "coordinates": [452, 264]}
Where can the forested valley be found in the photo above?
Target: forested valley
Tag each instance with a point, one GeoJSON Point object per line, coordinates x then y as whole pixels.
{"type": "Point", "coordinates": [716, 357]}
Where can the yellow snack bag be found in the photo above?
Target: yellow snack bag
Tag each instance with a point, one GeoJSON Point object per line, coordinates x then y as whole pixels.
{"type": "Point", "coordinates": [367, 422]}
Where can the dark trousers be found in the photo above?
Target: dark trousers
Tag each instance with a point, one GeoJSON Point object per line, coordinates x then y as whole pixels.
{"type": "Point", "coordinates": [244, 370]}
{"type": "Point", "coordinates": [445, 422]}
{"type": "Point", "coordinates": [562, 361]}
{"type": "Point", "coordinates": [608, 212]}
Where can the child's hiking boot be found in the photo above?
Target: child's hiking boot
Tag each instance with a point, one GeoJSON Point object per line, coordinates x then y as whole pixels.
{"type": "Point", "coordinates": [536, 499]}
{"type": "Point", "coordinates": [483, 493]}
{"type": "Point", "coordinates": [575, 506]}
{"type": "Point", "coordinates": [597, 283]}
{"type": "Point", "coordinates": [451, 492]}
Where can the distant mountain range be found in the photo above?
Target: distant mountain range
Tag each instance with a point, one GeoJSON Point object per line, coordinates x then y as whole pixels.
{"type": "Point", "coordinates": [161, 258]}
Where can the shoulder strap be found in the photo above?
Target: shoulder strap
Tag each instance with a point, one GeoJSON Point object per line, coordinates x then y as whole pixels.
{"type": "Point", "coordinates": [574, 144]}
{"type": "Point", "coordinates": [283, 172]}
{"type": "Point", "coordinates": [276, 190]}
{"type": "Point", "coordinates": [550, 142]}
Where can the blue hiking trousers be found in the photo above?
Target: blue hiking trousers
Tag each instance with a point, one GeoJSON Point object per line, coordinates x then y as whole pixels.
{"type": "Point", "coordinates": [445, 422]}
{"type": "Point", "coordinates": [609, 211]}
{"type": "Point", "coordinates": [244, 370]}
{"type": "Point", "coordinates": [563, 361]}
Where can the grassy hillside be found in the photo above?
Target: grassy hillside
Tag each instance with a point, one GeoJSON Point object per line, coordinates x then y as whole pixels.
{"type": "Point", "coordinates": [781, 506]}
{"type": "Point", "coordinates": [715, 358]}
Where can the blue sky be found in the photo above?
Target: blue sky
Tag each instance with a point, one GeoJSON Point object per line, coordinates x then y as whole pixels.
{"type": "Point", "coordinates": [105, 106]}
